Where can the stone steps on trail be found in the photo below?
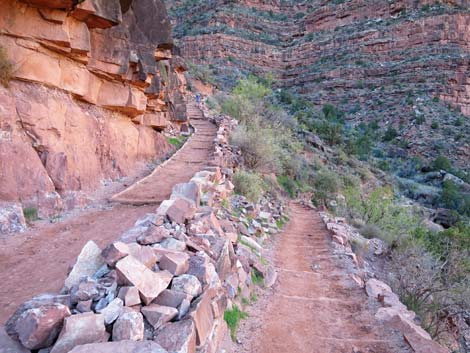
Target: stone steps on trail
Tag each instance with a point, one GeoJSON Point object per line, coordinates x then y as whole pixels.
{"type": "Point", "coordinates": [194, 154]}
{"type": "Point", "coordinates": [317, 307]}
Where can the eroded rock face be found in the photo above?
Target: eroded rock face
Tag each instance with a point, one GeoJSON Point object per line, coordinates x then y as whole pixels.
{"type": "Point", "coordinates": [92, 86]}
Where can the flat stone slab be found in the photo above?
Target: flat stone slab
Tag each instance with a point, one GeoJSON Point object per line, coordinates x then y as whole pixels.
{"type": "Point", "coordinates": [120, 347]}
{"type": "Point", "coordinates": [150, 284]}
{"type": "Point", "coordinates": [88, 262]}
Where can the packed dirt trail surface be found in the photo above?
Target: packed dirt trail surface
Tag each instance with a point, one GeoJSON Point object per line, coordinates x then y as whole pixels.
{"type": "Point", "coordinates": [188, 160]}
{"type": "Point", "coordinates": [316, 307]}
{"type": "Point", "coordinates": [37, 261]}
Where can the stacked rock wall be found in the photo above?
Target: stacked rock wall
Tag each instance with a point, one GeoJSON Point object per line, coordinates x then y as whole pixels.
{"type": "Point", "coordinates": [92, 85]}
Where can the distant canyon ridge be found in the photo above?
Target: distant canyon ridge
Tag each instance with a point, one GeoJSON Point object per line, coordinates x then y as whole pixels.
{"type": "Point", "coordinates": [399, 63]}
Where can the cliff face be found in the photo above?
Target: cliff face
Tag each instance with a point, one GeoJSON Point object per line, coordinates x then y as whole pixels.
{"type": "Point", "coordinates": [93, 85]}
{"type": "Point", "coordinates": [398, 63]}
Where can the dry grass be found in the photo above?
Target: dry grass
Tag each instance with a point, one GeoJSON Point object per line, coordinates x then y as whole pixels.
{"type": "Point", "coordinates": [6, 68]}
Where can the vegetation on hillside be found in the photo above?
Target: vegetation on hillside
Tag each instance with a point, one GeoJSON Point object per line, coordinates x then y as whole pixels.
{"type": "Point", "coordinates": [278, 133]}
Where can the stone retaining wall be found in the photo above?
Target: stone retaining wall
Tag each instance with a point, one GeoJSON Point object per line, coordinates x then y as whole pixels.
{"type": "Point", "coordinates": [165, 285]}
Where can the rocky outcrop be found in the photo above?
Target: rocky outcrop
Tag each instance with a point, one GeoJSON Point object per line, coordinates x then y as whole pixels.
{"type": "Point", "coordinates": [93, 84]}
{"type": "Point", "coordinates": [397, 63]}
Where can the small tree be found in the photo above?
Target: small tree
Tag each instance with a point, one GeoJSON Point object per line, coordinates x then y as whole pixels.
{"type": "Point", "coordinates": [326, 184]}
{"type": "Point", "coordinates": [442, 163]}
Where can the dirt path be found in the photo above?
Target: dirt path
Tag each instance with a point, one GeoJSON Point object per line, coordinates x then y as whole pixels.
{"type": "Point", "coordinates": [37, 261]}
{"type": "Point", "coordinates": [315, 307]}
{"type": "Point", "coordinates": [188, 160]}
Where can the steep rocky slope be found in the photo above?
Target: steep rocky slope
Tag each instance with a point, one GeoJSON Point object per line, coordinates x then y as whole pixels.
{"type": "Point", "coordinates": [400, 63]}
{"type": "Point", "coordinates": [92, 85]}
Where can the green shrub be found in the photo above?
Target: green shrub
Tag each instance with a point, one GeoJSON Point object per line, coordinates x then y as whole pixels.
{"type": "Point", "coordinates": [248, 184]}
{"type": "Point", "coordinates": [390, 134]}
{"type": "Point", "coordinates": [258, 147]}
{"type": "Point", "coordinates": [6, 68]}
{"type": "Point", "coordinates": [379, 209]}
{"type": "Point", "coordinates": [420, 120]}
{"type": "Point", "coordinates": [331, 132]}
{"type": "Point", "coordinates": [30, 214]}
{"type": "Point", "coordinates": [257, 278]}
{"type": "Point", "coordinates": [434, 125]}
{"type": "Point", "coordinates": [431, 274]}
{"type": "Point", "coordinates": [441, 163]}
{"type": "Point", "coordinates": [233, 318]}
{"type": "Point", "coordinates": [332, 113]}
{"type": "Point", "coordinates": [452, 197]}
{"type": "Point", "coordinates": [202, 73]}
{"type": "Point", "coordinates": [288, 184]}
{"type": "Point", "coordinates": [178, 141]}
{"type": "Point", "coordinates": [326, 184]}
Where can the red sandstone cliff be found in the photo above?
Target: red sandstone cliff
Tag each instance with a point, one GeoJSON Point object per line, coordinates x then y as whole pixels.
{"type": "Point", "coordinates": [93, 84]}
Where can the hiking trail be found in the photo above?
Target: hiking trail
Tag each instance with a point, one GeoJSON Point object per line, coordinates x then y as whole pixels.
{"type": "Point", "coordinates": [315, 306]}
{"type": "Point", "coordinates": [36, 261]}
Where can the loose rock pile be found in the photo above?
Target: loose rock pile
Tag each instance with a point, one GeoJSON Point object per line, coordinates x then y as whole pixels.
{"type": "Point", "coordinates": [392, 312]}
{"type": "Point", "coordinates": [11, 218]}
{"type": "Point", "coordinates": [164, 286]}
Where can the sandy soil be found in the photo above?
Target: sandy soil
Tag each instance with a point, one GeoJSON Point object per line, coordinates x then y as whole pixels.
{"type": "Point", "coordinates": [315, 307]}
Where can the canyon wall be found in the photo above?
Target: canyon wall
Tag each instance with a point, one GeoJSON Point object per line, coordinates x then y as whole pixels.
{"type": "Point", "coordinates": [93, 85]}
{"type": "Point", "coordinates": [395, 63]}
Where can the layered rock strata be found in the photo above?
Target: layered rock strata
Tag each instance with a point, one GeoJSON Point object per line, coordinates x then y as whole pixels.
{"type": "Point", "coordinates": [400, 63]}
{"type": "Point", "coordinates": [93, 84]}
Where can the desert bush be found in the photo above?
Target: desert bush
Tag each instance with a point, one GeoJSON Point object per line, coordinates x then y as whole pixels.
{"type": "Point", "coordinates": [331, 113]}
{"type": "Point", "coordinates": [252, 89]}
{"type": "Point", "coordinates": [454, 198]}
{"type": "Point", "coordinates": [434, 288]}
{"type": "Point", "coordinates": [441, 163]}
{"type": "Point", "coordinates": [237, 107]}
{"type": "Point", "coordinates": [6, 68]}
{"type": "Point", "coordinates": [232, 318]}
{"type": "Point", "coordinates": [258, 147]}
{"type": "Point", "coordinates": [248, 184]}
{"type": "Point", "coordinates": [380, 209]}
{"type": "Point", "coordinates": [288, 185]}
{"type": "Point", "coordinates": [30, 214]}
{"type": "Point", "coordinates": [370, 231]}
{"type": "Point", "coordinates": [390, 134]}
{"type": "Point", "coordinates": [326, 183]}
{"type": "Point", "coordinates": [213, 104]}
{"type": "Point", "coordinates": [331, 132]}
